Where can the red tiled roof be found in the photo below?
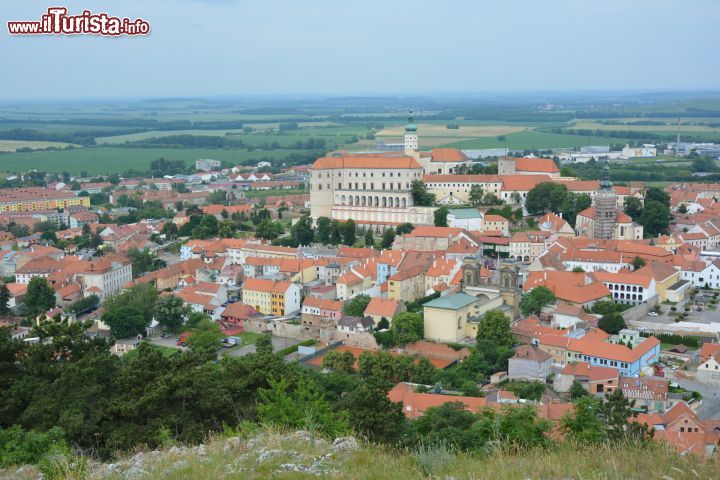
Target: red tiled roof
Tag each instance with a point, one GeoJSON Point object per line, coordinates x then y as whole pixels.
{"type": "Point", "coordinates": [366, 161]}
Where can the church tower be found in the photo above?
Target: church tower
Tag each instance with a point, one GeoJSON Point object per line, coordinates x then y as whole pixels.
{"type": "Point", "coordinates": [411, 136]}
{"type": "Point", "coordinates": [510, 288]}
{"type": "Point", "coordinates": [605, 207]}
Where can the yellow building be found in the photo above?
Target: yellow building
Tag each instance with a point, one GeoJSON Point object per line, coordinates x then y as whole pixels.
{"type": "Point", "coordinates": [36, 198]}
{"type": "Point", "coordinates": [270, 297]}
{"type": "Point", "coordinates": [407, 285]}
{"type": "Point", "coordinates": [666, 281]}
{"type": "Point", "coordinates": [448, 318]}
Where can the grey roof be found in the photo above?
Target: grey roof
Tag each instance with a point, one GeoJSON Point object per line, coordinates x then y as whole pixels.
{"type": "Point", "coordinates": [353, 322]}
{"type": "Point", "coordinates": [454, 301]}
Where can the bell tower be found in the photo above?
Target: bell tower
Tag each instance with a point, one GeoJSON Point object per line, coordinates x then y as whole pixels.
{"type": "Point", "coordinates": [605, 207]}
{"type": "Point", "coordinates": [411, 135]}
{"type": "Point", "coordinates": [509, 285]}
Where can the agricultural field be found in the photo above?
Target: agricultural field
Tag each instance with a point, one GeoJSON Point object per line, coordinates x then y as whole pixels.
{"type": "Point", "coordinates": [13, 145]}
{"type": "Point", "coordinates": [106, 160]}
{"type": "Point", "coordinates": [528, 139]}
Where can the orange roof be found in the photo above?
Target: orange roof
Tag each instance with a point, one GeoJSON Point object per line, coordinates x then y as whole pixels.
{"type": "Point", "coordinates": [440, 178]}
{"type": "Point", "coordinates": [434, 232]}
{"type": "Point", "coordinates": [366, 161]}
{"type": "Point", "coordinates": [594, 373]}
{"type": "Point", "coordinates": [707, 350]}
{"type": "Point", "coordinates": [523, 183]}
{"type": "Point", "coordinates": [634, 278]}
{"type": "Point", "coordinates": [591, 346]}
{"type": "Point", "coordinates": [448, 155]}
{"type": "Point", "coordinates": [495, 218]}
{"type": "Point", "coordinates": [621, 217]}
{"type": "Point", "coordinates": [382, 307]}
{"type": "Point", "coordinates": [263, 285]}
{"type": "Point", "coordinates": [238, 310]}
{"type": "Point", "coordinates": [575, 287]}
{"type": "Point", "coordinates": [657, 270]}
{"type": "Point", "coordinates": [416, 404]}
{"type": "Point", "coordinates": [322, 304]}
{"type": "Point", "coordinates": [544, 165]}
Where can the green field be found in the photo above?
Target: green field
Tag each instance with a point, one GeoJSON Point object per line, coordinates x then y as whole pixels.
{"type": "Point", "coordinates": [105, 160]}
{"type": "Point", "coordinates": [532, 139]}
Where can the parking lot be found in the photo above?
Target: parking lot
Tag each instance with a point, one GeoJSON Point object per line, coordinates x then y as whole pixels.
{"type": "Point", "coordinates": [279, 343]}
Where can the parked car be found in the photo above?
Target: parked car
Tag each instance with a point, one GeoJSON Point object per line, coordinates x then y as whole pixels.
{"type": "Point", "coordinates": [653, 314]}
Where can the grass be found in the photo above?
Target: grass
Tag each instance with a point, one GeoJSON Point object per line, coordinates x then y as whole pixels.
{"type": "Point", "coordinates": [268, 450]}
{"type": "Point", "coordinates": [166, 351]}
{"type": "Point", "coordinates": [105, 160]}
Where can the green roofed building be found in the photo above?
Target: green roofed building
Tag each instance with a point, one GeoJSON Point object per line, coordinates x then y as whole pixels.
{"type": "Point", "coordinates": [453, 318]}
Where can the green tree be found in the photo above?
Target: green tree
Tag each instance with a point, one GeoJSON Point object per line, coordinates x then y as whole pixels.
{"type": "Point", "coordinates": [302, 232]}
{"type": "Point", "coordinates": [349, 232]}
{"type": "Point", "coordinates": [577, 391]}
{"type": "Point", "coordinates": [476, 195]}
{"type": "Point", "coordinates": [421, 197]}
{"type": "Point", "coordinates": [424, 372]}
{"type": "Point", "coordinates": [323, 230]}
{"type": "Point", "coordinates": [633, 207]}
{"type": "Point", "coordinates": [441, 215]}
{"type": "Point", "coordinates": [372, 414]}
{"type": "Point", "coordinates": [269, 230]}
{"type": "Point", "coordinates": [369, 239]}
{"type": "Point", "coordinates": [533, 301]}
{"type": "Point", "coordinates": [637, 262]}
{"type": "Point", "coordinates": [335, 233]}
{"type": "Point", "coordinates": [655, 218]}
{"type": "Point", "coordinates": [300, 408]}
{"type": "Point", "coordinates": [388, 238]}
{"type": "Point", "coordinates": [39, 298]}
{"type": "Point", "coordinates": [4, 301]}
{"type": "Point", "coordinates": [407, 327]}
{"type": "Point", "coordinates": [404, 228]}
{"type": "Point", "coordinates": [357, 305]}
{"type": "Point", "coordinates": [206, 339]}
{"type": "Point", "coordinates": [125, 321]}
{"type": "Point", "coordinates": [612, 323]}
{"type": "Point", "coordinates": [170, 230]}
{"type": "Point", "coordinates": [343, 362]}
{"type": "Point", "coordinates": [546, 197]}
{"type": "Point", "coordinates": [494, 326]}
{"type": "Point", "coordinates": [170, 312]}
{"type": "Point", "coordinates": [658, 195]}
{"type": "Point", "coordinates": [583, 424]}
{"type": "Point", "coordinates": [567, 172]}
{"type": "Point", "coordinates": [682, 209]}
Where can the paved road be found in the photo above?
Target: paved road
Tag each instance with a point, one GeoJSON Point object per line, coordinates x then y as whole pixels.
{"type": "Point", "coordinates": [278, 344]}
{"type": "Point", "coordinates": [710, 407]}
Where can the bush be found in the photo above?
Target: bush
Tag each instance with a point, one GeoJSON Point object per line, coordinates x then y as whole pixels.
{"type": "Point", "coordinates": [21, 447]}
{"type": "Point", "coordinates": [294, 348]}
{"type": "Point", "coordinates": [673, 309]}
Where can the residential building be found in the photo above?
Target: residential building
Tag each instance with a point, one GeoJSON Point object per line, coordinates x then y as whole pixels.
{"type": "Point", "coordinates": [271, 297]}
{"type": "Point", "coordinates": [529, 363]}
{"type": "Point", "coordinates": [380, 308]}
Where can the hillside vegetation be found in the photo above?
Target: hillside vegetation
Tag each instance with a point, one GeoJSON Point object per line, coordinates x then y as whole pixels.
{"type": "Point", "coordinates": [274, 454]}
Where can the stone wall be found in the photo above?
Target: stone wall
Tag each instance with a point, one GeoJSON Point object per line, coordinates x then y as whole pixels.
{"type": "Point", "coordinates": [639, 311]}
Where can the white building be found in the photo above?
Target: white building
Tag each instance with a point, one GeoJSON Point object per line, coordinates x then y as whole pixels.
{"type": "Point", "coordinates": [106, 277]}
{"type": "Point", "coordinates": [647, 150]}
{"type": "Point", "coordinates": [207, 164]}
{"type": "Point", "coordinates": [628, 288]}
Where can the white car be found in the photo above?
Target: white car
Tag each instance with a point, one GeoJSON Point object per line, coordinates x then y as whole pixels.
{"type": "Point", "coordinates": [653, 314]}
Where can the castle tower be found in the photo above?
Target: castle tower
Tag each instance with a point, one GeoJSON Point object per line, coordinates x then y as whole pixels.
{"type": "Point", "coordinates": [605, 207]}
{"type": "Point", "coordinates": [411, 136]}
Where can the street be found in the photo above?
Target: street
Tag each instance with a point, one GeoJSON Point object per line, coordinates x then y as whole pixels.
{"type": "Point", "coordinates": [710, 407]}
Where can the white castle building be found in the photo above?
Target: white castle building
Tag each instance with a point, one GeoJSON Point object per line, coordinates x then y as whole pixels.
{"type": "Point", "coordinates": [373, 189]}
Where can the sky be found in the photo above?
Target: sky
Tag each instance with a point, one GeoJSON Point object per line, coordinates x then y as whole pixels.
{"type": "Point", "coordinates": [247, 47]}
